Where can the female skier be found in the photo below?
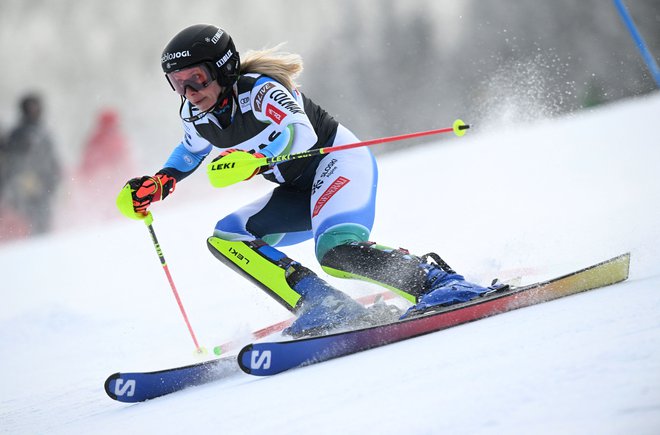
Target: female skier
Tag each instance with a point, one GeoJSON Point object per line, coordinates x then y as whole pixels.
{"type": "Point", "coordinates": [253, 109]}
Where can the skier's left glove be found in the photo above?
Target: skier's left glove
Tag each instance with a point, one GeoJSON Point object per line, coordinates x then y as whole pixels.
{"type": "Point", "coordinates": [233, 166]}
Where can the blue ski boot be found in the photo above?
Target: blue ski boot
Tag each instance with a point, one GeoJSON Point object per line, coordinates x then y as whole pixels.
{"type": "Point", "coordinates": [423, 283]}
{"type": "Point", "coordinates": [445, 287]}
{"type": "Point", "coordinates": [323, 307]}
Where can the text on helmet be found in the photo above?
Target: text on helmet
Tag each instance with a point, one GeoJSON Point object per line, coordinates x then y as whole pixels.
{"type": "Point", "coordinates": [172, 56]}
{"type": "Point", "coordinates": [224, 58]}
{"type": "Point", "coordinates": [217, 36]}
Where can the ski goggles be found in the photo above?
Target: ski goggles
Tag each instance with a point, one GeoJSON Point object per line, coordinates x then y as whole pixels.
{"type": "Point", "coordinates": [197, 77]}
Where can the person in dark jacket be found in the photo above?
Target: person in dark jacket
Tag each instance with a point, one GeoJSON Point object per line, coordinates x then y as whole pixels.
{"type": "Point", "coordinates": [31, 171]}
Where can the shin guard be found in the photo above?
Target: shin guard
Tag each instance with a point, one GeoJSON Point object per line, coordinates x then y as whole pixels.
{"type": "Point", "coordinates": [264, 265]}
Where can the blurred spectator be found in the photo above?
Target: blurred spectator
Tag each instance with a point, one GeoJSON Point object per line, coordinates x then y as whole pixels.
{"type": "Point", "coordinates": [30, 172]}
{"type": "Point", "coordinates": [106, 152]}
{"type": "Point", "coordinates": [12, 225]}
{"type": "Point", "coordinates": [3, 140]}
{"type": "Point", "coordinates": [105, 163]}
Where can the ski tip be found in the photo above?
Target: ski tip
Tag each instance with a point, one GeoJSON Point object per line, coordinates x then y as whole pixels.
{"type": "Point", "coordinates": [109, 384]}
{"type": "Point", "coordinates": [241, 357]}
{"type": "Point", "coordinates": [624, 259]}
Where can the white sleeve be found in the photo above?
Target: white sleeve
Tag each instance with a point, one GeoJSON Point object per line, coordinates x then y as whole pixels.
{"type": "Point", "coordinates": [273, 103]}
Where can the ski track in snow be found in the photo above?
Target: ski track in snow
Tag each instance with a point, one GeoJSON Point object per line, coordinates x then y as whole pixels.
{"type": "Point", "coordinates": [546, 198]}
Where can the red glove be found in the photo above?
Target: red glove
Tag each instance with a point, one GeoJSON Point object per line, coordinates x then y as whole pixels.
{"type": "Point", "coordinates": [146, 190]}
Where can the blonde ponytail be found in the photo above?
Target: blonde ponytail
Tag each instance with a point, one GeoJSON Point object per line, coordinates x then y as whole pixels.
{"type": "Point", "coordinates": [281, 66]}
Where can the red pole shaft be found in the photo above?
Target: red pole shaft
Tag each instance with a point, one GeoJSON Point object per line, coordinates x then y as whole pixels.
{"type": "Point", "coordinates": [178, 301]}
{"type": "Point", "coordinates": [459, 126]}
{"type": "Point", "coordinates": [171, 281]}
{"type": "Point", "coordinates": [328, 150]}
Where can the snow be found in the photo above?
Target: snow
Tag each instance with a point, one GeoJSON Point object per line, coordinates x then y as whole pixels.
{"type": "Point", "coordinates": [542, 198]}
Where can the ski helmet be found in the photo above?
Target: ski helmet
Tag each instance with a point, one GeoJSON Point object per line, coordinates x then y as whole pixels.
{"type": "Point", "coordinates": [203, 44]}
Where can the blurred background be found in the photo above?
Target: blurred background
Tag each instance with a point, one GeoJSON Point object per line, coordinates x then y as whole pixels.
{"type": "Point", "coordinates": [381, 67]}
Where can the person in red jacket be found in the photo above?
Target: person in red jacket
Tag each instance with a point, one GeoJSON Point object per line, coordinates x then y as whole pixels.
{"type": "Point", "coordinates": [106, 152]}
{"type": "Point", "coordinates": [105, 156]}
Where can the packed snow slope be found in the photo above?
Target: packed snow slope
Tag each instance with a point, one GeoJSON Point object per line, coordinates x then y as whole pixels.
{"type": "Point", "coordinates": [539, 199]}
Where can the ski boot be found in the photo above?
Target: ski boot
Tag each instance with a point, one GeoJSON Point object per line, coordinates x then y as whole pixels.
{"type": "Point", "coordinates": [318, 306]}
{"type": "Point", "coordinates": [323, 307]}
{"type": "Point", "coordinates": [425, 284]}
{"type": "Point", "coordinates": [445, 287]}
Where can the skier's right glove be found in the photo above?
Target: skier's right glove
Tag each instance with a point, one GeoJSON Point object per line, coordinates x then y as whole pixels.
{"type": "Point", "coordinates": [138, 193]}
{"type": "Point", "coordinates": [146, 190]}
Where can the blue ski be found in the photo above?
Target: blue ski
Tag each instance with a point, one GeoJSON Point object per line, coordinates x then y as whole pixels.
{"type": "Point", "coordinates": [141, 386]}
{"type": "Point", "coordinates": [269, 358]}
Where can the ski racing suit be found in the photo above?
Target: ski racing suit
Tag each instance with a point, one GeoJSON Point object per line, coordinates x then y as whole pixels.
{"type": "Point", "coordinates": [330, 198]}
{"type": "Point", "coordinates": [314, 196]}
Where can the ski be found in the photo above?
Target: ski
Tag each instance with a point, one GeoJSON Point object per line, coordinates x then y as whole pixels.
{"type": "Point", "coordinates": [134, 387]}
{"type": "Point", "coordinates": [141, 386]}
{"type": "Point", "coordinates": [269, 358]}
{"type": "Point", "coordinates": [274, 357]}
{"type": "Point", "coordinates": [278, 327]}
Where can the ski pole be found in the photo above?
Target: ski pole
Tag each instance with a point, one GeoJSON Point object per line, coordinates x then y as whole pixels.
{"type": "Point", "coordinates": [458, 128]}
{"type": "Point", "coordinates": [148, 221]}
{"type": "Point", "coordinates": [243, 168]}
